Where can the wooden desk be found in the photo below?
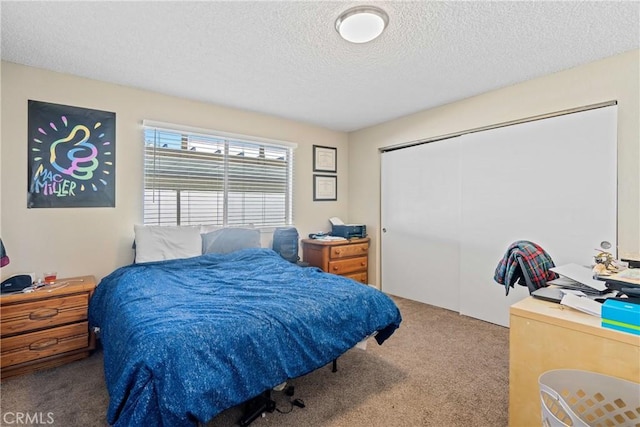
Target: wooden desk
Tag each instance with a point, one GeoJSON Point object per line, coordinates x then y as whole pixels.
{"type": "Point", "coordinates": [545, 336]}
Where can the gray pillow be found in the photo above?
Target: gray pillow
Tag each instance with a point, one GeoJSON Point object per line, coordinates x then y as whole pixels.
{"type": "Point", "coordinates": [228, 240]}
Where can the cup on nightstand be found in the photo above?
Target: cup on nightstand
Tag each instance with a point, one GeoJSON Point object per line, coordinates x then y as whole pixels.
{"type": "Point", "coordinates": [50, 277]}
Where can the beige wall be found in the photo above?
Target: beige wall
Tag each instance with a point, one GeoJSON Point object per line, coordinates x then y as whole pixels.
{"type": "Point", "coordinates": [615, 78]}
{"type": "Point", "coordinates": [97, 240]}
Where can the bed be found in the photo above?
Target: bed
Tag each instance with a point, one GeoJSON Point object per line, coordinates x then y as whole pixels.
{"type": "Point", "coordinates": [185, 339]}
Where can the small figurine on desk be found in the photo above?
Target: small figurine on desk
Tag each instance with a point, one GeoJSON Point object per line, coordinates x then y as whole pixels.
{"type": "Point", "coordinates": [605, 262]}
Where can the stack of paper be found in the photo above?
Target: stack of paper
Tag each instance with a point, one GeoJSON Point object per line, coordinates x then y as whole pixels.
{"type": "Point", "coordinates": [582, 303]}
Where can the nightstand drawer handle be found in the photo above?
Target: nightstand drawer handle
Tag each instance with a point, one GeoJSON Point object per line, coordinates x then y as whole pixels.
{"type": "Point", "coordinates": [43, 343]}
{"type": "Point", "coordinates": [45, 313]}
{"type": "Point", "coordinates": [337, 251]}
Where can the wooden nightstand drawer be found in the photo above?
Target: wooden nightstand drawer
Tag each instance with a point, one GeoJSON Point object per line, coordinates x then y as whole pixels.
{"type": "Point", "coordinates": [47, 327]}
{"type": "Point", "coordinates": [358, 277]}
{"type": "Point", "coordinates": [348, 265]}
{"type": "Point", "coordinates": [349, 250]}
{"type": "Point", "coordinates": [44, 313]}
{"type": "Point", "coordinates": [36, 345]}
{"type": "Point", "coordinates": [348, 258]}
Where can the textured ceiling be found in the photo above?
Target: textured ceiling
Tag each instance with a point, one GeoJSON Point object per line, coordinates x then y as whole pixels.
{"type": "Point", "coordinates": [286, 59]}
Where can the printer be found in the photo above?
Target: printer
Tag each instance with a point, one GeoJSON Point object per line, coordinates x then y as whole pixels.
{"type": "Point", "coordinates": [348, 231]}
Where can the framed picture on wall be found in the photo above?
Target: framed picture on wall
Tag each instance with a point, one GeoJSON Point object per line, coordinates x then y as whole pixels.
{"type": "Point", "coordinates": [71, 156]}
{"type": "Point", "coordinates": [325, 159]}
{"type": "Point", "coordinates": [325, 187]}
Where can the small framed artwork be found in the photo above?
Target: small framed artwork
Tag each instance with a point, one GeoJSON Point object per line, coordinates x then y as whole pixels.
{"type": "Point", "coordinates": [325, 187]}
{"type": "Point", "coordinates": [325, 159]}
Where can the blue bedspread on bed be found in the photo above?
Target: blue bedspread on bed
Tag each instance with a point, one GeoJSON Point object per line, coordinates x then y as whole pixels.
{"type": "Point", "coordinates": [185, 339]}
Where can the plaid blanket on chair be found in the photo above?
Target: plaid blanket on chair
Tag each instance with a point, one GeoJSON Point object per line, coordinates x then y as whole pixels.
{"type": "Point", "coordinates": [536, 261]}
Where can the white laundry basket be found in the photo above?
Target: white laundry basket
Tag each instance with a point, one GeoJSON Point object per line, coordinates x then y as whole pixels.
{"type": "Point", "coordinates": [580, 398]}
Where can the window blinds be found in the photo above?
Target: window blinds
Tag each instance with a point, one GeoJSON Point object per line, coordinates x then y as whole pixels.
{"type": "Point", "coordinates": [195, 178]}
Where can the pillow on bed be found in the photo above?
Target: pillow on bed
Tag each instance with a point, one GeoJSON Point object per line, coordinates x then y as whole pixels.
{"type": "Point", "coordinates": [207, 228]}
{"type": "Point", "coordinates": [158, 243]}
{"type": "Point", "coordinates": [228, 240]}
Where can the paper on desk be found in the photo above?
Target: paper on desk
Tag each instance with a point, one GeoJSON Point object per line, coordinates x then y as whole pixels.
{"type": "Point", "coordinates": [586, 305]}
{"type": "Point", "coordinates": [601, 296]}
{"type": "Point", "coordinates": [573, 292]}
{"type": "Point", "coordinates": [330, 238]}
{"type": "Point", "coordinates": [580, 274]}
{"type": "Point", "coordinates": [334, 220]}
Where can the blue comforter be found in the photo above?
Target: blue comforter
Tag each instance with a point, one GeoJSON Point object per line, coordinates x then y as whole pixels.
{"type": "Point", "coordinates": [185, 339]}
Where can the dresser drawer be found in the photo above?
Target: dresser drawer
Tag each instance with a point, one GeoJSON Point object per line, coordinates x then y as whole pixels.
{"type": "Point", "coordinates": [36, 345]}
{"type": "Point", "coordinates": [43, 313]}
{"type": "Point", "coordinates": [350, 265]}
{"type": "Point", "coordinates": [349, 250]}
{"type": "Point", "coordinates": [358, 277]}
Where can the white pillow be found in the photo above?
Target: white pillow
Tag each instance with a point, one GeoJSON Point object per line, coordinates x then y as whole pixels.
{"type": "Point", "coordinates": [158, 243]}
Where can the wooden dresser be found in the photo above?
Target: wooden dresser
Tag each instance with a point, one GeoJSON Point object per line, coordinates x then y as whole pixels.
{"type": "Point", "coordinates": [47, 327]}
{"type": "Point", "coordinates": [349, 258]}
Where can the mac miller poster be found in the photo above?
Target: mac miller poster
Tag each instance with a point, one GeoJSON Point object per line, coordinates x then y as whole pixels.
{"type": "Point", "coordinates": [72, 157]}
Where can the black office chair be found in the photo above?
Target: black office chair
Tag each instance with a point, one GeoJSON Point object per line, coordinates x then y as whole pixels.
{"type": "Point", "coordinates": [525, 276]}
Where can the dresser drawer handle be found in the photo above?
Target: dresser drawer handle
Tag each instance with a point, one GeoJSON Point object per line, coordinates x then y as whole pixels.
{"type": "Point", "coordinates": [43, 343]}
{"type": "Point", "coordinates": [337, 251]}
{"type": "Point", "coordinates": [45, 313]}
{"type": "Point", "coordinates": [335, 268]}
{"type": "Point", "coordinates": [363, 263]}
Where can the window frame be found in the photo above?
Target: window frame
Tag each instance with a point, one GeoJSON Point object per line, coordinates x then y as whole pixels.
{"type": "Point", "coordinates": [229, 139]}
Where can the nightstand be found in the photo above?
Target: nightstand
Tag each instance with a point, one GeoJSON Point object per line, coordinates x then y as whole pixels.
{"type": "Point", "coordinates": [349, 258]}
{"type": "Point", "coordinates": [46, 328]}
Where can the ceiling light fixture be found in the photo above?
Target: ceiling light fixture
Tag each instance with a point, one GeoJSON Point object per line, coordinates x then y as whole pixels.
{"type": "Point", "coordinates": [361, 24]}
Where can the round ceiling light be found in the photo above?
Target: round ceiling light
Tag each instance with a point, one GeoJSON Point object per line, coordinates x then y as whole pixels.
{"type": "Point", "coordinates": [361, 24]}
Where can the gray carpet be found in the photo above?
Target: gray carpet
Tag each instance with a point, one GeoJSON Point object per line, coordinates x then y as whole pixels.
{"type": "Point", "coordinates": [438, 369]}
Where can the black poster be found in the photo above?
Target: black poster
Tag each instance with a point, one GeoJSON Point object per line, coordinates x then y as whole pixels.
{"type": "Point", "coordinates": [72, 157]}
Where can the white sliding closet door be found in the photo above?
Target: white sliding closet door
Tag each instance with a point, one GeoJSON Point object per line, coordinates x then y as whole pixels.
{"type": "Point", "coordinates": [420, 219]}
{"type": "Point", "coordinates": [551, 181]}
{"type": "Point", "coordinates": [451, 208]}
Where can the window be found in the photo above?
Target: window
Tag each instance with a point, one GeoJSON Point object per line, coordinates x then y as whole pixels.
{"type": "Point", "coordinates": [194, 177]}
